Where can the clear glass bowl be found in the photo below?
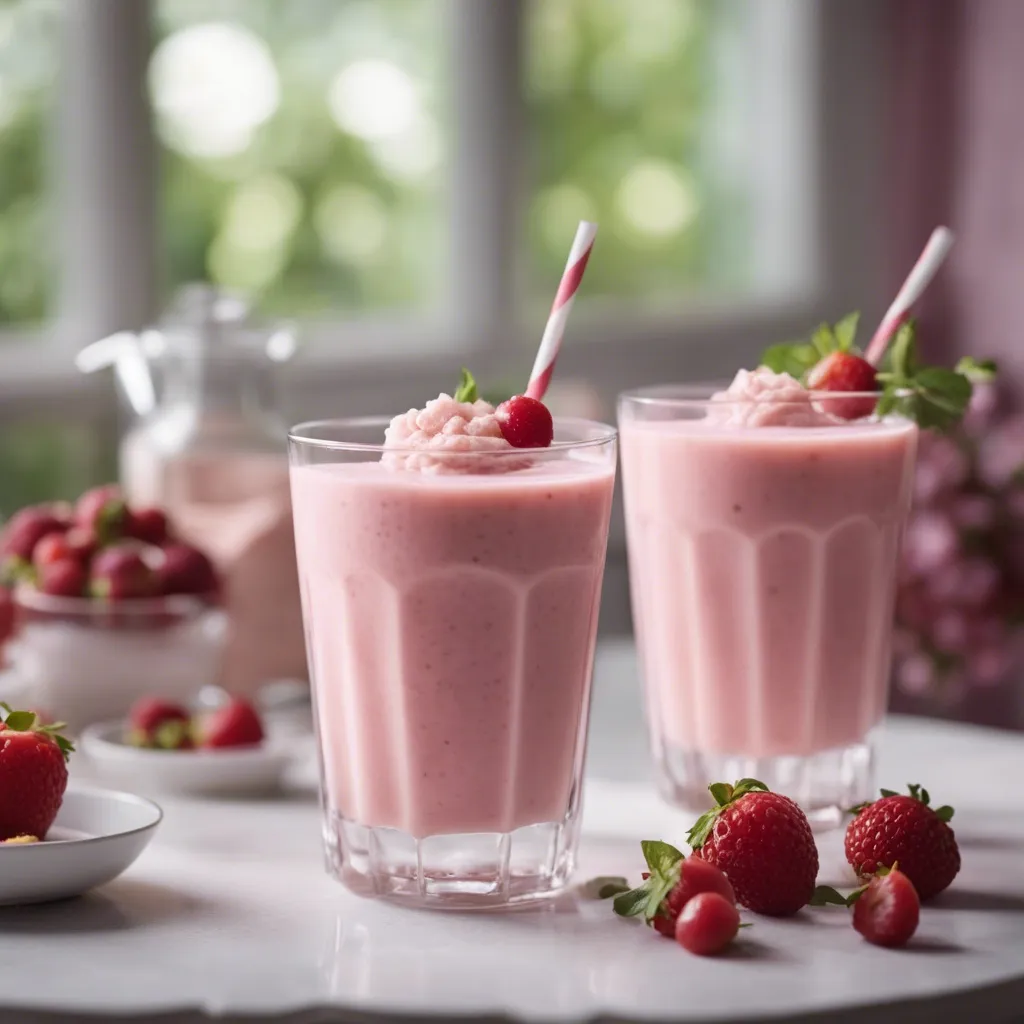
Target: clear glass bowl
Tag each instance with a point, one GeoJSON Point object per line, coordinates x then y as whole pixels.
{"type": "Point", "coordinates": [83, 660]}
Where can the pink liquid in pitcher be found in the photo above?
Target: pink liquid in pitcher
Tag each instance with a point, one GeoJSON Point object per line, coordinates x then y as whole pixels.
{"type": "Point", "coordinates": [236, 507]}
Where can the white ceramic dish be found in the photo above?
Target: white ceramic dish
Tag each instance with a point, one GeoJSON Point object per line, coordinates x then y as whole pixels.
{"type": "Point", "coordinates": [236, 771]}
{"type": "Point", "coordinates": [98, 833]}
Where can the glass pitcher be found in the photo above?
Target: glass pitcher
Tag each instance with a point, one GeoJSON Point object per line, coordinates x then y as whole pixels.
{"type": "Point", "coordinates": [208, 445]}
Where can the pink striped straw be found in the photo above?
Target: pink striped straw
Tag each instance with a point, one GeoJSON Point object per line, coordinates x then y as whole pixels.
{"type": "Point", "coordinates": [913, 288]}
{"type": "Point", "coordinates": [554, 329]}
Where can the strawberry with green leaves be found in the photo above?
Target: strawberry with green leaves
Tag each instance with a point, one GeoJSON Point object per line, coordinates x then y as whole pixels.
{"type": "Point", "coordinates": [933, 396]}
{"type": "Point", "coordinates": [33, 773]}
{"type": "Point", "coordinates": [670, 882]}
{"type": "Point", "coordinates": [762, 842]}
{"type": "Point", "coordinates": [886, 909]}
{"type": "Point", "coordinates": [908, 830]}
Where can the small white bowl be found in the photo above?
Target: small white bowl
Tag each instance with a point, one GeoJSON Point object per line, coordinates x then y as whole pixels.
{"type": "Point", "coordinates": [98, 833]}
{"type": "Point", "coordinates": [227, 771]}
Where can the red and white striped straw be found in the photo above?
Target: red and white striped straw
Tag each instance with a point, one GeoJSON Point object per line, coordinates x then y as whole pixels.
{"type": "Point", "coordinates": [913, 288]}
{"type": "Point", "coordinates": [551, 341]}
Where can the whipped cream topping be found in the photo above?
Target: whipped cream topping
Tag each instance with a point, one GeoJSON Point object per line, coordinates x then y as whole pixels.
{"type": "Point", "coordinates": [764, 398]}
{"type": "Point", "coordinates": [441, 431]}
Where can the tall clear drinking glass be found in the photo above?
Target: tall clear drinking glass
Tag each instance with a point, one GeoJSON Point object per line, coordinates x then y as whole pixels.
{"type": "Point", "coordinates": [763, 559]}
{"type": "Point", "coordinates": [450, 602]}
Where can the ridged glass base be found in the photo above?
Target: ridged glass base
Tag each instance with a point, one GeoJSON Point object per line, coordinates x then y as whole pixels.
{"type": "Point", "coordinates": [453, 872]}
{"type": "Point", "coordinates": [825, 784]}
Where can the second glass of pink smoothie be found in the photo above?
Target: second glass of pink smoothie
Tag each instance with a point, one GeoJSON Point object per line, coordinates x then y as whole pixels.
{"type": "Point", "coordinates": [763, 539]}
{"type": "Point", "coordinates": [450, 601]}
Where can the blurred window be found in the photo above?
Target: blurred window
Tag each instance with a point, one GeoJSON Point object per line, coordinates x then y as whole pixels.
{"type": "Point", "coordinates": [404, 177]}
{"type": "Point", "coordinates": [303, 149]}
{"type": "Point", "coordinates": [651, 118]}
{"type": "Point", "coordinates": [29, 37]}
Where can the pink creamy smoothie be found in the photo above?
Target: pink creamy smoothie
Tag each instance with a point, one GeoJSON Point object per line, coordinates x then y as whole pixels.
{"type": "Point", "coordinates": [763, 542]}
{"type": "Point", "coordinates": [451, 617]}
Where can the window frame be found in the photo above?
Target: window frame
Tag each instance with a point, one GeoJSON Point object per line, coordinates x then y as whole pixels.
{"type": "Point", "coordinates": [107, 188]}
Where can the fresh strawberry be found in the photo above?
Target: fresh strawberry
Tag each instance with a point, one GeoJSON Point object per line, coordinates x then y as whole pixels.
{"type": "Point", "coordinates": [33, 774]}
{"type": "Point", "coordinates": [672, 881]}
{"type": "Point", "coordinates": [148, 525]}
{"type": "Point", "coordinates": [707, 924]}
{"type": "Point", "coordinates": [525, 422]}
{"type": "Point", "coordinates": [763, 843]}
{"type": "Point", "coordinates": [53, 547]}
{"type": "Point", "coordinates": [887, 910]}
{"type": "Point", "coordinates": [27, 528]}
{"type": "Point", "coordinates": [64, 578]}
{"type": "Point", "coordinates": [236, 724]}
{"type": "Point", "coordinates": [158, 724]}
{"type": "Point", "coordinates": [844, 371]}
{"type": "Point", "coordinates": [119, 573]}
{"type": "Point", "coordinates": [82, 542]}
{"type": "Point", "coordinates": [104, 511]}
{"type": "Point", "coordinates": [905, 829]}
{"type": "Point", "coordinates": [186, 570]}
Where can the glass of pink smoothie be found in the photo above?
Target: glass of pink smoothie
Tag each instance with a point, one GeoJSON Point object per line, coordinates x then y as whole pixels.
{"type": "Point", "coordinates": [450, 596]}
{"type": "Point", "coordinates": [763, 534]}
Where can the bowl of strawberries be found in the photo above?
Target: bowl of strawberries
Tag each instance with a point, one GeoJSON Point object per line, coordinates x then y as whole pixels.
{"type": "Point", "coordinates": [107, 605]}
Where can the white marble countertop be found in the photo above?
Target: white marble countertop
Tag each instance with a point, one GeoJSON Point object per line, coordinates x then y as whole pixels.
{"type": "Point", "coordinates": [229, 914]}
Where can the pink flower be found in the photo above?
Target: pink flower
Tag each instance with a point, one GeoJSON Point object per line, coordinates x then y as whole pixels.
{"type": "Point", "coordinates": [973, 511]}
{"type": "Point", "coordinates": [916, 675]}
{"type": "Point", "coordinates": [950, 632]}
{"type": "Point", "coordinates": [941, 466]}
{"type": "Point", "coordinates": [989, 666]}
{"type": "Point", "coordinates": [930, 542]}
{"type": "Point", "coordinates": [967, 582]}
{"type": "Point", "coordinates": [1001, 453]}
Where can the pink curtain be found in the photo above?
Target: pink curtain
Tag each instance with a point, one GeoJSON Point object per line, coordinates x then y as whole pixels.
{"type": "Point", "coordinates": [956, 156]}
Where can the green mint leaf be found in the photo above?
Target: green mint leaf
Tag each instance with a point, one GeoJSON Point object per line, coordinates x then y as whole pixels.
{"type": "Point", "coordinates": [721, 791]}
{"type": "Point", "coordinates": [824, 340]}
{"type": "Point", "coordinates": [662, 858]}
{"type": "Point", "coordinates": [612, 889]}
{"type": "Point", "coordinates": [20, 721]}
{"type": "Point", "coordinates": [825, 896]}
{"type": "Point", "coordinates": [944, 813]}
{"type": "Point", "coordinates": [466, 391]}
{"type": "Point", "coordinates": [977, 371]}
{"type": "Point", "coordinates": [902, 356]}
{"type": "Point", "coordinates": [794, 358]}
{"type": "Point", "coordinates": [950, 387]}
{"type": "Point", "coordinates": [889, 792]}
{"type": "Point", "coordinates": [886, 405]}
{"type": "Point", "coordinates": [846, 331]}
{"type": "Point", "coordinates": [632, 903]}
